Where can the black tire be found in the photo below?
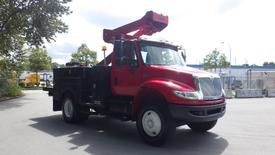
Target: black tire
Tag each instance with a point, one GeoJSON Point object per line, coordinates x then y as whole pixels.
{"type": "Point", "coordinates": [202, 126]}
{"type": "Point", "coordinates": [70, 112]}
{"type": "Point", "coordinates": [147, 124]}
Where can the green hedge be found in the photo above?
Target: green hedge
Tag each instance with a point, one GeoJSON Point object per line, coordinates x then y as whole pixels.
{"type": "Point", "coordinates": [10, 89]}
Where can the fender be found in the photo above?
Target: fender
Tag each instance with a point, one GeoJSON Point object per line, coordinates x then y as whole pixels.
{"type": "Point", "coordinates": [57, 99]}
{"type": "Point", "coordinates": [161, 87]}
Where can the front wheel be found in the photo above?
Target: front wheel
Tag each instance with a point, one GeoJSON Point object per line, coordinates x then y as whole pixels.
{"type": "Point", "coordinates": [154, 124]}
{"type": "Point", "coordinates": [202, 126]}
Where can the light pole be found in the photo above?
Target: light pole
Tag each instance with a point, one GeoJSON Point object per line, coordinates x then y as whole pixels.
{"type": "Point", "coordinates": [104, 48]}
{"type": "Point", "coordinates": [229, 74]}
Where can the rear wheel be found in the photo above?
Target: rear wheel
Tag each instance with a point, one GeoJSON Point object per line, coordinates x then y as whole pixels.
{"type": "Point", "coordinates": [202, 126]}
{"type": "Point", "coordinates": [70, 112]}
{"type": "Point", "coordinates": [154, 124]}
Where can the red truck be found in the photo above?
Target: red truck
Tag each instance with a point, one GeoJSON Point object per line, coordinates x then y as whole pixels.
{"type": "Point", "coordinates": [142, 80]}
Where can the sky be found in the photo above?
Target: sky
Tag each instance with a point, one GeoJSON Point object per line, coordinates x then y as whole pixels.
{"type": "Point", "coordinates": [244, 28]}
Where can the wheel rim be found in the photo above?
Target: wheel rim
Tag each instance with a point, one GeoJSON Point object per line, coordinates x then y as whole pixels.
{"type": "Point", "coordinates": [68, 108]}
{"type": "Point", "coordinates": [151, 123]}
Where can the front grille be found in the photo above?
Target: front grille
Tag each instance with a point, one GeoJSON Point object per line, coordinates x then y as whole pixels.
{"type": "Point", "coordinates": [210, 87]}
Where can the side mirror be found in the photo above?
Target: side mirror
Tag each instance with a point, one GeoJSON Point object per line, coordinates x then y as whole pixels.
{"type": "Point", "coordinates": [128, 61]}
{"type": "Point", "coordinates": [125, 60]}
{"type": "Point", "coordinates": [118, 47]}
{"type": "Point", "coordinates": [118, 51]}
{"type": "Point", "coordinates": [123, 53]}
{"type": "Point", "coordinates": [182, 52]}
{"type": "Point", "coordinates": [134, 64]}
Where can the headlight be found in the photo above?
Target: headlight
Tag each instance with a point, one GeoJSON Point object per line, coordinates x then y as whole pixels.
{"type": "Point", "coordinates": [191, 95]}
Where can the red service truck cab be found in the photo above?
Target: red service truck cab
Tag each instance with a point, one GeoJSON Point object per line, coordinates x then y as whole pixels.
{"type": "Point", "coordinates": [142, 80]}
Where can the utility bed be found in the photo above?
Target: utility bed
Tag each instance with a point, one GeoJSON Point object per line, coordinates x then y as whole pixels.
{"type": "Point", "coordinates": [84, 82]}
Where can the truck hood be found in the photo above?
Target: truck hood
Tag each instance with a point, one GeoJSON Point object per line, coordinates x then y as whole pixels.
{"type": "Point", "coordinates": [184, 70]}
{"type": "Point", "coordinates": [180, 75]}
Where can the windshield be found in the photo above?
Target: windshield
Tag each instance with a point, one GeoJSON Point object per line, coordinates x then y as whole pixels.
{"type": "Point", "coordinates": [161, 55]}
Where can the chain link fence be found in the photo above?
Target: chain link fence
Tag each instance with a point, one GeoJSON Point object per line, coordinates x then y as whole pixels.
{"type": "Point", "coordinates": [249, 79]}
{"type": "Point", "coordinates": [242, 82]}
{"type": "Point", "coordinates": [250, 84]}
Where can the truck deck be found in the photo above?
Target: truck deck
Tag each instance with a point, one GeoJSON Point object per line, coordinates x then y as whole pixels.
{"type": "Point", "coordinates": [84, 82]}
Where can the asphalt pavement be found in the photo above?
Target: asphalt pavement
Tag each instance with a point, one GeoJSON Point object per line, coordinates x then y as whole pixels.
{"type": "Point", "coordinates": [30, 127]}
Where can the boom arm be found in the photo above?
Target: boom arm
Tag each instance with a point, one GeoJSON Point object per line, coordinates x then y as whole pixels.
{"type": "Point", "coordinates": [149, 24]}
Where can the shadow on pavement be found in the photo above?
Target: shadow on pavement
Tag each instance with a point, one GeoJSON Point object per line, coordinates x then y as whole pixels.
{"type": "Point", "coordinates": [9, 104]}
{"type": "Point", "coordinates": [103, 135]}
{"type": "Point", "coordinates": [15, 102]}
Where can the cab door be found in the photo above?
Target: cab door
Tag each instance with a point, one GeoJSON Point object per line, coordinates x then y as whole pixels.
{"type": "Point", "coordinates": [126, 71]}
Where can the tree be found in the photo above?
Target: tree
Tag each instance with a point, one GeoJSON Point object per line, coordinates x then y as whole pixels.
{"type": "Point", "coordinates": [56, 65]}
{"type": "Point", "coordinates": [39, 60]}
{"type": "Point", "coordinates": [84, 55]}
{"type": "Point", "coordinates": [214, 60]}
{"type": "Point", "coordinates": [269, 65]}
{"type": "Point", "coordinates": [14, 61]}
{"type": "Point", "coordinates": [223, 63]}
{"type": "Point", "coordinates": [30, 21]}
{"type": "Point", "coordinates": [167, 58]}
{"type": "Point", "coordinates": [11, 66]}
{"type": "Point", "coordinates": [272, 64]}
